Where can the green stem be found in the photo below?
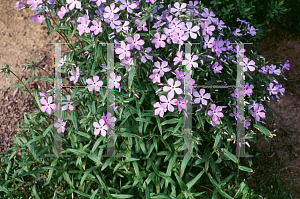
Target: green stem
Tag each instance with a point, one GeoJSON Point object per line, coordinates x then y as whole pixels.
{"type": "Point", "coordinates": [45, 71]}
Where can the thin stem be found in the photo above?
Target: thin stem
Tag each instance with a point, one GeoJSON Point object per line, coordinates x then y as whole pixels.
{"type": "Point", "coordinates": [45, 71]}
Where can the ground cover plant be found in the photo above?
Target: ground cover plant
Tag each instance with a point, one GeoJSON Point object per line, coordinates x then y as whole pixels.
{"type": "Point", "coordinates": [83, 174]}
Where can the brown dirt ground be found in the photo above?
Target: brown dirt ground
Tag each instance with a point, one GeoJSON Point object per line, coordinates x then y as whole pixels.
{"type": "Point", "coordinates": [19, 43]}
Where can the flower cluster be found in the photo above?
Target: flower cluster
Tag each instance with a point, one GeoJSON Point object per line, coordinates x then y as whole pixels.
{"type": "Point", "coordinates": [173, 30]}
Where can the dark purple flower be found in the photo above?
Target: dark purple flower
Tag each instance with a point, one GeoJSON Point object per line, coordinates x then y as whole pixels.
{"type": "Point", "coordinates": [180, 103]}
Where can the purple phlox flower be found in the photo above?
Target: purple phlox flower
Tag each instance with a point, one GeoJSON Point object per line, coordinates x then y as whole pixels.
{"type": "Point", "coordinates": [159, 41]}
{"type": "Point", "coordinates": [240, 52]}
{"type": "Point", "coordinates": [178, 8]}
{"type": "Point", "coordinates": [172, 87]}
{"type": "Point", "coordinates": [206, 28]}
{"type": "Point", "coordinates": [280, 89]}
{"type": "Point", "coordinates": [113, 21]}
{"type": "Point", "coordinates": [110, 121]}
{"type": "Point", "coordinates": [62, 12]}
{"type": "Point", "coordinates": [235, 94]}
{"type": "Point", "coordinates": [114, 81]}
{"type": "Point", "coordinates": [180, 75]}
{"type": "Point", "coordinates": [263, 70]}
{"type": "Point", "coordinates": [247, 124]}
{"type": "Point", "coordinates": [19, 3]}
{"type": "Point", "coordinates": [272, 69]}
{"type": "Point", "coordinates": [162, 67]}
{"type": "Point", "coordinates": [208, 15]}
{"type": "Point", "coordinates": [248, 89]}
{"type": "Point", "coordinates": [96, 27]}
{"type": "Point", "coordinates": [147, 50]}
{"type": "Point", "coordinates": [190, 31]}
{"type": "Point", "coordinates": [155, 77]}
{"type": "Point", "coordinates": [60, 125]}
{"type": "Point", "coordinates": [216, 113]}
{"type": "Point", "coordinates": [220, 24]}
{"type": "Point", "coordinates": [123, 27]}
{"type": "Point", "coordinates": [217, 68]}
{"type": "Point", "coordinates": [272, 90]}
{"type": "Point", "coordinates": [257, 113]}
{"type": "Point", "coordinates": [286, 65]}
{"type": "Point", "coordinates": [251, 30]}
{"type": "Point", "coordinates": [218, 47]}
{"type": "Point", "coordinates": [246, 64]}
{"type": "Point", "coordinates": [208, 42]}
{"type": "Point", "coordinates": [190, 61]}
{"type": "Point", "coordinates": [169, 34]}
{"type": "Point", "coordinates": [180, 103]}
{"type": "Point", "coordinates": [236, 32]}
{"type": "Point", "coordinates": [100, 128]}
{"type": "Point", "coordinates": [72, 4]}
{"type": "Point", "coordinates": [68, 104]}
{"type": "Point", "coordinates": [43, 94]}
{"type": "Point", "coordinates": [242, 21]}
{"type": "Point", "coordinates": [129, 6]}
{"type": "Point", "coordinates": [98, 3]}
{"type": "Point", "coordinates": [110, 11]}
{"type": "Point", "coordinates": [75, 77]}
{"type": "Point", "coordinates": [34, 3]}
{"type": "Point", "coordinates": [83, 27]}
{"type": "Point", "coordinates": [176, 25]}
{"type": "Point", "coordinates": [168, 101]}
{"type": "Point", "coordinates": [143, 27]}
{"type": "Point", "coordinates": [124, 50]}
{"type": "Point", "coordinates": [38, 18]}
{"type": "Point", "coordinates": [201, 97]}
{"type": "Point", "coordinates": [95, 85]}
{"type": "Point", "coordinates": [135, 43]}
{"type": "Point", "coordinates": [161, 108]}
{"type": "Point", "coordinates": [48, 106]}
{"type": "Point", "coordinates": [152, 1]}
{"type": "Point", "coordinates": [179, 57]}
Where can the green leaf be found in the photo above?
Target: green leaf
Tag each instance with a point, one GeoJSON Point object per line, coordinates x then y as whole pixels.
{"type": "Point", "coordinates": [142, 21]}
{"type": "Point", "coordinates": [137, 170]}
{"type": "Point", "coordinates": [131, 75]}
{"type": "Point", "coordinates": [94, 194]}
{"type": "Point", "coordinates": [16, 85]}
{"type": "Point", "coordinates": [67, 178]}
{"type": "Point", "coordinates": [181, 183]}
{"type": "Point", "coordinates": [122, 195]}
{"type": "Point", "coordinates": [74, 117]}
{"type": "Point", "coordinates": [191, 183]}
{"type": "Point", "coordinates": [86, 173]}
{"type": "Point", "coordinates": [63, 28]}
{"type": "Point", "coordinates": [37, 98]}
{"type": "Point", "coordinates": [243, 168]}
{"type": "Point", "coordinates": [54, 162]}
{"type": "Point", "coordinates": [31, 24]}
{"type": "Point", "coordinates": [226, 180]}
{"type": "Point", "coordinates": [223, 193]}
{"type": "Point", "coordinates": [230, 155]}
{"type": "Point", "coordinates": [48, 129]}
{"type": "Point", "coordinates": [48, 24]}
{"type": "Point", "coordinates": [213, 181]}
{"type": "Point", "coordinates": [46, 79]}
{"type": "Point", "coordinates": [82, 194]}
{"type": "Point", "coordinates": [185, 161]}
{"type": "Point", "coordinates": [74, 30]}
{"type": "Point", "coordinates": [217, 140]}
{"type": "Point", "coordinates": [171, 121]}
{"type": "Point", "coordinates": [35, 192]}
{"type": "Point", "coordinates": [4, 189]}
{"type": "Point", "coordinates": [263, 129]}
{"type": "Point", "coordinates": [88, 136]}
{"type": "Point", "coordinates": [143, 120]}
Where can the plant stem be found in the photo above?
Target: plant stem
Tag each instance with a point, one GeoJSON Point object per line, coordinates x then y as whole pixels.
{"type": "Point", "coordinates": [45, 71]}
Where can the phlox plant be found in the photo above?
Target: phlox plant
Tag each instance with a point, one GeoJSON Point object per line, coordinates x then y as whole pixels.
{"type": "Point", "coordinates": [149, 77]}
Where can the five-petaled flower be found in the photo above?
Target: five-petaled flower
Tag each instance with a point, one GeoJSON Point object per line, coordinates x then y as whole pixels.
{"type": "Point", "coordinates": [68, 104]}
{"type": "Point", "coordinates": [190, 61]}
{"type": "Point", "coordinates": [74, 78]}
{"type": "Point", "coordinates": [95, 85]}
{"type": "Point", "coordinates": [159, 40]}
{"type": "Point", "coordinates": [114, 81]}
{"type": "Point", "coordinates": [100, 127]}
{"type": "Point", "coordinates": [246, 64]}
{"type": "Point", "coordinates": [172, 87]}
{"type": "Point", "coordinates": [124, 50]}
{"type": "Point", "coordinates": [110, 11]}
{"type": "Point", "coordinates": [48, 106]}
{"type": "Point", "coordinates": [216, 113]}
{"type": "Point", "coordinates": [168, 101]}
{"type": "Point", "coordinates": [72, 4]}
{"type": "Point", "coordinates": [161, 109]}
{"type": "Point", "coordinates": [201, 97]}
{"type": "Point", "coordinates": [60, 126]}
{"type": "Point", "coordinates": [129, 6]}
{"type": "Point", "coordinates": [96, 27]}
{"type": "Point", "coordinates": [34, 3]}
{"type": "Point", "coordinates": [135, 43]}
{"type": "Point", "coordinates": [257, 113]}
{"type": "Point", "coordinates": [162, 68]}
{"type": "Point", "coordinates": [178, 8]}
